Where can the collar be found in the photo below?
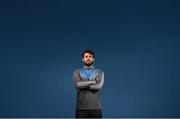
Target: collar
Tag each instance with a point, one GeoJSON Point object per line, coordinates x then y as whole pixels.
{"type": "Point", "coordinates": [86, 67]}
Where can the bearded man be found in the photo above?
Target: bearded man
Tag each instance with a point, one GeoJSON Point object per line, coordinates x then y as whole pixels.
{"type": "Point", "coordinates": [88, 82]}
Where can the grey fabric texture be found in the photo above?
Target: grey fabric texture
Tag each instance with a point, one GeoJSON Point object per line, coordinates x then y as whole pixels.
{"type": "Point", "coordinates": [88, 91]}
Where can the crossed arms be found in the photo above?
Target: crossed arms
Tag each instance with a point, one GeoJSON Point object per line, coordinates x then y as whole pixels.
{"type": "Point", "coordinates": [96, 83]}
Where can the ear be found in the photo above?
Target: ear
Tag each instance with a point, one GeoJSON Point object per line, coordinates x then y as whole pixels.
{"type": "Point", "coordinates": [93, 59]}
{"type": "Point", "coordinates": [82, 59]}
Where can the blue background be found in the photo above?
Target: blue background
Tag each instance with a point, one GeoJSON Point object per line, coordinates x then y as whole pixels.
{"type": "Point", "coordinates": [136, 43]}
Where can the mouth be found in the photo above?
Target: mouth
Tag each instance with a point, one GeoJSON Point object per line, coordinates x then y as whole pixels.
{"type": "Point", "coordinates": [88, 61]}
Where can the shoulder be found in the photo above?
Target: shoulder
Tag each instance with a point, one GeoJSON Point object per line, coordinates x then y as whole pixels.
{"type": "Point", "coordinates": [100, 71]}
{"type": "Point", "coordinates": [76, 71]}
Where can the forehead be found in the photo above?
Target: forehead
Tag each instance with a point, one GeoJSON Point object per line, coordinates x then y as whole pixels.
{"type": "Point", "coordinates": [87, 54]}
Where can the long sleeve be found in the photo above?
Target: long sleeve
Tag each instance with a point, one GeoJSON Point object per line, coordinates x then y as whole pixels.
{"type": "Point", "coordinates": [99, 81]}
{"type": "Point", "coordinates": [79, 83]}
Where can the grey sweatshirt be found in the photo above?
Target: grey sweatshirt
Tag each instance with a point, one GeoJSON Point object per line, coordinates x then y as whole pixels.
{"type": "Point", "coordinates": [88, 91]}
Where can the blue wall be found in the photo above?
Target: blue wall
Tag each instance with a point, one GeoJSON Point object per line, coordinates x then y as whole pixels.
{"type": "Point", "coordinates": [136, 44]}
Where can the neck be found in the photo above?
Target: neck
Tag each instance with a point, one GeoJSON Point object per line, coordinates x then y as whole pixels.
{"type": "Point", "coordinates": [89, 66]}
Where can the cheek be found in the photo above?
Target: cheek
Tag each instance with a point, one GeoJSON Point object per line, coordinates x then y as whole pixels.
{"type": "Point", "coordinates": [92, 59]}
{"type": "Point", "coordinates": [85, 59]}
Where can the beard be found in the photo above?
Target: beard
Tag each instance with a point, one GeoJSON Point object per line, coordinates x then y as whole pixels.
{"type": "Point", "coordinates": [88, 63]}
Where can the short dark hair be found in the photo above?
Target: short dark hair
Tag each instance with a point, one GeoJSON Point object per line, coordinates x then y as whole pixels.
{"type": "Point", "coordinates": [88, 51]}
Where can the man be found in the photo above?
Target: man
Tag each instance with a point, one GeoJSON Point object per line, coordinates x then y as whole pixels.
{"type": "Point", "coordinates": [88, 81]}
